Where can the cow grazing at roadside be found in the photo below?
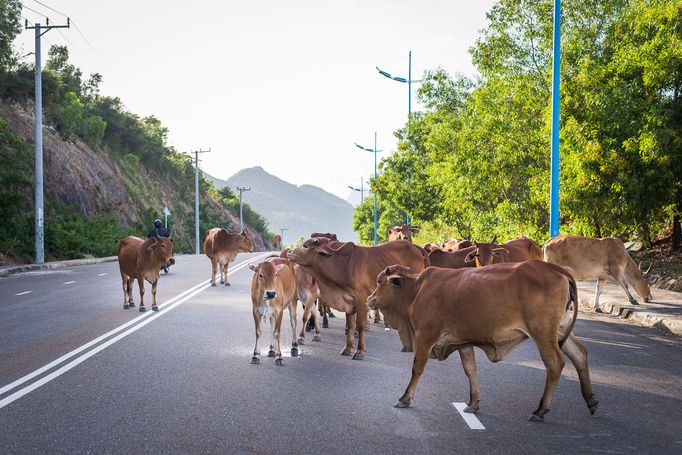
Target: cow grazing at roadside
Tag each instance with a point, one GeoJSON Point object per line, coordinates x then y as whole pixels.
{"type": "Point", "coordinates": [327, 235]}
{"type": "Point", "coordinates": [451, 260]}
{"type": "Point", "coordinates": [276, 242]}
{"type": "Point", "coordinates": [403, 232]}
{"type": "Point", "coordinates": [273, 290]}
{"type": "Point", "coordinates": [601, 259]}
{"type": "Point", "coordinates": [142, 260]}
{"type": "Point", "coordinates": [455, 245]}
{"type": "Point", "coordinates": [346, 275]}
{"type": "Point", "coordinates": [308, 293]}
{"type": "Point", "coordinates": [221, 247]}
{"type": "Point", "coordinates": [517, 250]}
{"type": "Point", "coordinates": [494, 308]}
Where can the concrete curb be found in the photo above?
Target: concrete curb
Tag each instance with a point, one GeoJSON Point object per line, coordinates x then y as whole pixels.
{"type": "Point", "coordinates": [14, 269]}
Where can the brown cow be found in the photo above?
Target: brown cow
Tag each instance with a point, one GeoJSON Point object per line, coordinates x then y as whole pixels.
{"type": "Point", "coordinates": [456, 245]}
{"type": "Point", "coordinates": [327, 235]}
{"type": "Point", "coordinates": [493, 308]}
{"type": "Point", "coordinates": [273, 290]}
{"type": "Point", "coordinates": [142, 260]}
{"type": "Point", "coordinates": [403, 232]}
{"type": "Point", "coordinates": [451, 260]}
{"type": "Point", "coordinates": [346, 275]}
{"type": "Point", "coordinates": [517, 250]}
{"type": "Point", "coordinates": [587, 258]}
{"type": "Point", "coordinates": [276, 242]}
{"type": "Point", "coordinates": [221, 247]}
{"type": "Point", "coordinates": [429, 247]}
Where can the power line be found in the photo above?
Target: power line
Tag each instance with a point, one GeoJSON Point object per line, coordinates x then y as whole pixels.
{"type": "Point", "coordinates": [31, 9]}
{"type": "Point", "coordinates": [50, 8]}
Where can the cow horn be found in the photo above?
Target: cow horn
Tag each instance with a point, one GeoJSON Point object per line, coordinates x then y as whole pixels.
{"type": "Point", "coordinates": [500, 249]}
{"type": "Point", "coordinates": [494, 239]}
{"type": "Point", "coordinates": [639, 266]}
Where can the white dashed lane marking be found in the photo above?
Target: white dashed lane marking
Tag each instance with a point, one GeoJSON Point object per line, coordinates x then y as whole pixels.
{"type": "Point", "coordinates": [102, 274]}
{"type": "Point", "coordinates": [469, 418]}
{"type": "Point", "coordinates": [24, 293]}
{"type": "Point", "coordinates": [69, 282]}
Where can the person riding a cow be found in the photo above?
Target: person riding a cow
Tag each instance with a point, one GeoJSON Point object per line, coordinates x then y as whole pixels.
{"type": "Point", "coordinates": [157, 232]}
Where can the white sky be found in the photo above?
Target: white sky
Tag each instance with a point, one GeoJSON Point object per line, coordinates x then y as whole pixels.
{"type": "Point", "coordinates": [288, 85]}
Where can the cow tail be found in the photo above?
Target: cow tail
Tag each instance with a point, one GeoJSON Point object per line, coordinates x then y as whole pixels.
{"type": "Point", "coordinates": [572, 298]}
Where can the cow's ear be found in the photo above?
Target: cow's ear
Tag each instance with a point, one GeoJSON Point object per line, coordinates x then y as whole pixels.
{"type": "Point", "coordinates": [498, 251]}
{"type": "Point", "coordinates": [253, 267]}
{"type": "Point", "coordinates": [396, 281]}
{"type": "Point", "coordinates": [316, 242]}
{"type": "Point", "coordinates": [470, 257]}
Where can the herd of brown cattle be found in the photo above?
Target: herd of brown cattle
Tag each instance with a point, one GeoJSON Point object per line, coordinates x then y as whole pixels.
{"type": "Point", "coordinates": [440, 298]}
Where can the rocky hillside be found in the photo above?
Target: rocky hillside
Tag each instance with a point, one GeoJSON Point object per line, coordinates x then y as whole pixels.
{"type": "Point", "coordinates": [301, 209]}
{"type": "Point", "coordinates": [93, 181]}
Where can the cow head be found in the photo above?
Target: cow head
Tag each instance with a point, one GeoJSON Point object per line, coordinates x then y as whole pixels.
{"type": "Point", "coordinates": [403, 232]}
{"type": "Point", "coordinates": [317, 249]}
{"type": "Point", "coordinates": [264, 280]}
{"type": "Point", "coordinates": [245, 243]}
{"type": "Point", "coordinates": [161, 250]}
{"type": "Point", "coordinates": [284, 253]}
{"type": "Point", "coordinates": [485, 253]}
{"type": "Point", "coordinates": [396, 287]}
{"type": "Point", "coordinates": [642, 285]}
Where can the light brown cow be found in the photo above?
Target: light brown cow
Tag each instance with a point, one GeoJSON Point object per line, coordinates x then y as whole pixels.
{"type": "Point", "coordinates": [517, 250]}
{"type": "Point", "coordinates": [276, 242]}
{"type": "Point", "coordinates": [273, 290]}
{"type": "Point", "coordinates": [451, 260]}
{"type": "Point", "coordinates": [142, 260]}
{"type": "Point", "coordinates": [493, 308]}
{"type": "Point", "coordinates": [308, 293]}
{"type": "Point", "coordinates": [456, 245]}
{"type": "Point", "coordinates": [429, 247]}
{"type": "Point", "coordinates": [403, 232]}
{"type": "Point", "coordinates": [346, 274]}
{"type": "Point", "coordinates": [589, 258]}
{"type": "Point", "coordinates": [221, 247]}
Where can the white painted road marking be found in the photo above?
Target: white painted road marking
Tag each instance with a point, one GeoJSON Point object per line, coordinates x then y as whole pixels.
{"type": "Point", "coordinates": [69, 282]}
{"type": "Point", "coordinates": [24, 293]}
{"type": "Point", "coordinates": [171, 303]}
{"type": "Point", "coordinates": [102, 274]}
{"type": "Point", "coordinates": [469, 418]}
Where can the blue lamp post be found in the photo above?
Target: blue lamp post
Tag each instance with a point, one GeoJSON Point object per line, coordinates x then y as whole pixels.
{"type": "Point", "coordinates": [556, 107]}
{"type": "Point", "coordinates": [361, 190]}
{"type": "Point", "coordinates": [376, 219]}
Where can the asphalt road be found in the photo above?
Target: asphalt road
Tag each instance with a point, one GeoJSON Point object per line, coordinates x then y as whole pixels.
{"type": "Point", "coordinates": [180, 380]}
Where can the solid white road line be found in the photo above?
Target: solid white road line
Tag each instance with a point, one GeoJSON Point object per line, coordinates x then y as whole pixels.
{"type": "Point", "coordinates": [24, 293]}
{"type": "Point", "coordinates": [469, 418]}
{"type": "Point", "coordinates": [102, 274]}
{"type": "Point", "coordinates": [180, 298]}
{"type": "Point", "coordinates": [69, 282]}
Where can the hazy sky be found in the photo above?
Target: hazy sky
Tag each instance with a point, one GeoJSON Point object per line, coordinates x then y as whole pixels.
{"type": "Point", "coordinates": [288, 85]}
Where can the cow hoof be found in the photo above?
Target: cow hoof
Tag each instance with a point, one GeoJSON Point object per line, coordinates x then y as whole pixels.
{"type": "Point", "coordinates": [222, 281]}
{"type": "Point", "coordinates": [358, 356]}
{"type": "Point", "coordinates": [278, 362]}
{"type": "Point", "coordinates": [401, 404]}
{"type": "Point", "coordinates": [387, 328]}
{"type": "Point", "coordinates": [255, 361]}
{"type": "Point", "coordinates": [126, 306]}
{"type": "Point", "coordinates": [301, 341]}
{"type": "Point", "coordinates": [471, 410]}
{"type": "Point", "coordinates": [598, 310]}
{"type": "Point", "coordinates": [592, 405]}
{"type": "Point", "coordinates": [405, 349]}
{"type": "Point", "coordinates": [213, 285]}
{"type": "Point", "coordinates": [227, 284]}
{"type": "Point", "coordinates": [377, 321]}
{"type": "Point", "coordinates": [294, 352]}
{"type": "Point", "coordinates": [325, 325]}
{"type": "Point", "coordinates": [331, 315]}
{"type": "Point", "coordinates": [536, 418]}
{"type": "Point", "coordinates": [346, 352]}
{"type": "Point", "coordinates": [132, 304]}
{"type": "Point", "coordinates": [317, 338]}
{"type": "Point", "coordinates": [271, 353]}
{"type": "Point", "coordinates": [634, 302]}
{"type": "Point", "coordinates": [142, 309]}
{"type": "Point", "coordinates": [155, 308]}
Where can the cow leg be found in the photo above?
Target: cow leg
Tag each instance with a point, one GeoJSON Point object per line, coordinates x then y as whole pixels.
{"type": "Point", "coordinates": [361, 321]}
{"type": "Point", "coordinates": [578, 355]}
{"type": "Point", "coordinates": [154, 307]}
{"type": "Point", "coordinates": [307, 313]}
{"type": "Point", "coordinates": [377, 317]}
{"type": "Point", "coordinates": [227, 283]}
{"type": "Point", "coordinates": [255, 359]}
{"type": "Point", "coordinates": [317, 326]}
{"type": "Point", "coordinates": [126, 297]}
{"type": "Point", "coordinates": [140, 282]}
{"type": "Point", "coordinates": [292, 321]}
{"type": "Point", "coordinates": [624, 284]}
{"type": "Point", "coordinates": [350, 334]}
{"type": "Point", "coordinates": [421, 356]}
{"type": "Point", "coordinates": [597, 293]}
{"type": "Point", "coordinates": [554, 363]}
{"type": "Point", "coordinates": [214, 266]}
{"type": "Point", "coordinates": [271, 352]}
{"type": "Point", "coordinates": [276, 330]}
{"type": "Point", "coordinates": [323, 313]}
{"type": "Point", "coordinates": [131, 281]}
{"type": "Point", "coordinates": [468, 357]}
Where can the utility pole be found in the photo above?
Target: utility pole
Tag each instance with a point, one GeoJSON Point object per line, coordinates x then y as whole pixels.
{"type": "Point", "coordinates": [241, 217]}
{"type": "Point", "coordinates": [196, 198]}
{"type": "Point", "coordinates": [281, 234]}
{"type": "Point", "coordinates": [40, 30]}
{"type": "Point", "coordinates": [375, 151]}
{"type": "Point", "coordinates": [361, 190]}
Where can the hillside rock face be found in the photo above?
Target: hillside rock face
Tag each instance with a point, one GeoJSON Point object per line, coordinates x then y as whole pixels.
{"type": "Point", "coordinates": [89, 180]}
{"type": "Point", "coordinates": [301, 209]}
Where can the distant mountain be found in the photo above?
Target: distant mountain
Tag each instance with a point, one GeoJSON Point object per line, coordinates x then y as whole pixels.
{"type": "Point", "coordinates": [301, 209]}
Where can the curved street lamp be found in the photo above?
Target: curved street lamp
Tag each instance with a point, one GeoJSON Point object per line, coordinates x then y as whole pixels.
{"type": "Point", "coordinates": [375, 151]}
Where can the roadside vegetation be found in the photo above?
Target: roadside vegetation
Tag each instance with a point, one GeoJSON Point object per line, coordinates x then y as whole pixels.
{"type": "Point", "coordinates": [476, 162]}
{"type": "Point", "coordinates": [137, 145]}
